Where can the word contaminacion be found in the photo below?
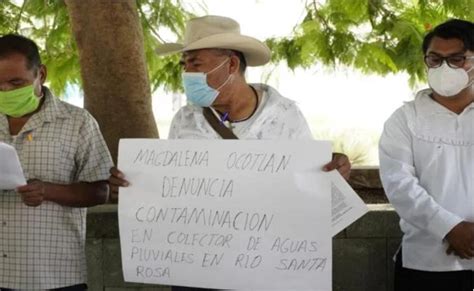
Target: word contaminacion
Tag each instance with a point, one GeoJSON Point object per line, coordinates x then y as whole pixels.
{"type": "Point", "coordinates": [236, 220]}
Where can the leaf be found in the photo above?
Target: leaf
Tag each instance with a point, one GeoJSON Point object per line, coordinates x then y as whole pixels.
{"type": "Point", "coordinates": [374, 36]}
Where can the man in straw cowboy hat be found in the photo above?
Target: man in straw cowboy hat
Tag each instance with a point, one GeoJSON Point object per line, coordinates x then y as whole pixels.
{"type": "Point", "coordinates": [221, 104]}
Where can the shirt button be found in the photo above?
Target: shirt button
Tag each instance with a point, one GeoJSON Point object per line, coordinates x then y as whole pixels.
{"type": "Point", "coordinates": [5, 255]}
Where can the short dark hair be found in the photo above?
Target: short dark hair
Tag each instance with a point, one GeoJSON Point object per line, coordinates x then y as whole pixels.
{"type": "Point", "coordinates": [13, 43]}
{"type": "Point", "coordinates": [454, 28]}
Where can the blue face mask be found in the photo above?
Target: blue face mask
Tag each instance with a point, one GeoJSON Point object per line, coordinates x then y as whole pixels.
{"type": "Point", "coordinates": [198, 91]}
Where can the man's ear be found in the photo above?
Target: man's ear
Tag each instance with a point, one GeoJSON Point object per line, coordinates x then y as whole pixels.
{"type": "Point", "coordinates": [43, 73]}
{"type": "Point", "coordinates": [234, 64]}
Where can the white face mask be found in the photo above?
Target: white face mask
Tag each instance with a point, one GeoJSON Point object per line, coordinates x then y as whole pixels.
{"type": "Point", "coordinates": [446, 81]}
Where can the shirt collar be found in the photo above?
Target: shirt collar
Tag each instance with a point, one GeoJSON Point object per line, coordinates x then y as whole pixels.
{"type": "Point", "coordinates": [425, 105]}
{"type": "Point", "coordinates": [4, 127]}
{"type": "Point", "coordinates": [52, 108]}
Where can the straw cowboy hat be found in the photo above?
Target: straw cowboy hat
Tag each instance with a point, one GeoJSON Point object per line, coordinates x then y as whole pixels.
{"type": "Point", "coordinates": [218, 32]}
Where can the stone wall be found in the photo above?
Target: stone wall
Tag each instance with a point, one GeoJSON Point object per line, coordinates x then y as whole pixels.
{"type": "Point", "coordinates": [362, 253]}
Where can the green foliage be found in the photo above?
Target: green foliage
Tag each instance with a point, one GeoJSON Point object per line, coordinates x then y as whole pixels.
{"type": "Point", "coordinates": [167, 14]}
{"type": "Point", "coordinates": [47, 22]}
{"type": "Point", "coordinates": [373, 36]}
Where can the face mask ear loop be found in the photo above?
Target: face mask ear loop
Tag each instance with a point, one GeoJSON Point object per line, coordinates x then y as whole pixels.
{"type": "Point", "coordinates": [216, 68]}
{"type": "Point", "coordinates": [228, 78]}
{"type": "Point", "coordinates": [41, 90]}
{"type": "Point", "coordinates": [225, 82]}
{"type": "Point", "coordinates": [472, 81]}
{"type": "Point", "coordinates": [42, 94]}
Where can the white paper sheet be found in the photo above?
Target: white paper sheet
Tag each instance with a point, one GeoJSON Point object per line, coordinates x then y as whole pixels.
{"type": "Point", "coordinates": [11, 174]}
{"type": "Point", "coordinates": [347, 206]}
{"type": "Point", "coordinates": [273, 200]}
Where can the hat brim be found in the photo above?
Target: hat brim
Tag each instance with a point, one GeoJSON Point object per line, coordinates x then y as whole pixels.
{"type": "Point", "coordinates": [256, 52]}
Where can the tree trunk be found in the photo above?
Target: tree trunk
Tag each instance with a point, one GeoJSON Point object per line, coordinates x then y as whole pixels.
{"type": "Point", "coordinates": [117, 93]}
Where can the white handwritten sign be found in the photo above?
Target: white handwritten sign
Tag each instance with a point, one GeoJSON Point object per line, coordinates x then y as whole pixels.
{"type": "Point", "coordinates": [226, 214]}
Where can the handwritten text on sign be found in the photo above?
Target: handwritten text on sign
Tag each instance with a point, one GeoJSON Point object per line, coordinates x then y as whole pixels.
{"type": "Point", "coordinates": [226, 214]}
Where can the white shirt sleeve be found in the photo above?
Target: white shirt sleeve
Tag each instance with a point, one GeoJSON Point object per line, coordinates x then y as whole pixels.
{"type": "Point", "coordinates": [412, 202]}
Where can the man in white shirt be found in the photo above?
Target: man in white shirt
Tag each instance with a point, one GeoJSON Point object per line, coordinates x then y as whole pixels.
{"type": "Point", "coordinates": [214, 58]}
{"type": "Point", "coordinates": [427, 167]}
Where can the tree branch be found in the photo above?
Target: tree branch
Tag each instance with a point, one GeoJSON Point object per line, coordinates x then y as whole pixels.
{"type": "Point", "coordinates": [142, 14]}
{"type": "Point", "coordinates": [18, 19]}
{"type": "Point", "coordinates": [53, 27]}
{"type": "Point", "coordinates": [318, 16]}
